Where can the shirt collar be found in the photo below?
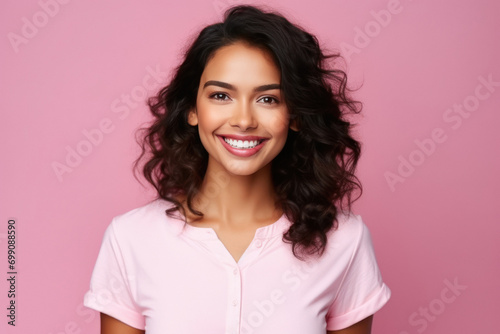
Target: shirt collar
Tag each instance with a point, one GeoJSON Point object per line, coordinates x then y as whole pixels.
{"type": "Point", "coordinates": [178, 225]}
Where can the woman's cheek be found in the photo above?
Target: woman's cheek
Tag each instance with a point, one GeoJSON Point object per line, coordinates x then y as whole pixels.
{"type": "Point", "coordinates": [278, 122]}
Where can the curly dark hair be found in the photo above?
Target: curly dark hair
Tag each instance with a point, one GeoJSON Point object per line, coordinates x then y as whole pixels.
{"type": "Point", "coordinates": [313, 175]}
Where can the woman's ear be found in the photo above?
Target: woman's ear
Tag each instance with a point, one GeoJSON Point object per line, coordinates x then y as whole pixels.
{"type": "Point", "coordinates": [193, 117]}
{"type": "Point", "coordinates": [293, 125]}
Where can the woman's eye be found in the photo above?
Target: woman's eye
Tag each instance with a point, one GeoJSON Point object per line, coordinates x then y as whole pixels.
{"type": "Point", "coordinates": [269, 100]}
{"type": "Point", "coordinates": [219, 96]}
{"type": "Point", "coordinates": [223, 97]}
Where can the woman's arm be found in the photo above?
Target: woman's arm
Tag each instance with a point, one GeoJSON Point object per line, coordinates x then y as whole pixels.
{"type": "Point", "coordinates": [362, 327]}
{"type": "Point", "coordinates": [110, 325]}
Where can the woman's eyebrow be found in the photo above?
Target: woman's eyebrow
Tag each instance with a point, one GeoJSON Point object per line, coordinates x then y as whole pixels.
{"type": "Point", "coordinates": [231, 87]}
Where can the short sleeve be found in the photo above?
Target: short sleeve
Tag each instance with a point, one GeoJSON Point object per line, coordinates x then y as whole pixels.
{"type": "Point", "coordinates": [362, 291]}
{"type": "Point", "coordinates": [110, 284]}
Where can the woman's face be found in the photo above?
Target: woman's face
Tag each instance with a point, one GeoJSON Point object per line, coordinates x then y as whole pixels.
{"type": "Point", "coordinates": [239, 97]}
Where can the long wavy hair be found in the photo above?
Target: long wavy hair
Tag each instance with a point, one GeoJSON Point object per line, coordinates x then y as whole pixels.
{"type": "Point", "coordinates": [314, 174]}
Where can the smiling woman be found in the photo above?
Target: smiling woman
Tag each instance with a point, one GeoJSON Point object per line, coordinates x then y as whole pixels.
{"type": "Point", "coordinates": [238, 102]}
{"type": "Point", "coordinates": [252, 229]}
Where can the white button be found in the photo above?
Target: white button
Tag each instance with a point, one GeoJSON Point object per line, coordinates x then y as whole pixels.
{"type": "Point", "coordinates": [235, 271]}
{"type": "Point", "coordinates": [235, 302]}
{"type": "Point", "coordinates": [258, 243]}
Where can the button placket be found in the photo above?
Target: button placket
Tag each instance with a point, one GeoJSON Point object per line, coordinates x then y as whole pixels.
{"type": "Point", "coordinates": [234, 300]}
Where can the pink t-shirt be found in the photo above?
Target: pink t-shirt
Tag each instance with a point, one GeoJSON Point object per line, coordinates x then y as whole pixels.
{"type": "Point", "coordinates": [157, 273]}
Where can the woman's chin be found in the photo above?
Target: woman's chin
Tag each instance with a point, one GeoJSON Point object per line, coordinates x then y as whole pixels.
{"type": "Point", "coordinates": [241, 168]}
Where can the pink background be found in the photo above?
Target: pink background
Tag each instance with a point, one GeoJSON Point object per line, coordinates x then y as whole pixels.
{"type": "Point", "coordinates": [437, 225]}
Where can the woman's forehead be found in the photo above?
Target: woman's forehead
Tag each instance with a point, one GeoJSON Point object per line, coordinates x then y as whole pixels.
{"type": "Point", "coordinates": [241, 62]}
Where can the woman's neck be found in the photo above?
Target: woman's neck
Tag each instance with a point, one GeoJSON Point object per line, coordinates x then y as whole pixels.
{"type": "Point", "coordinates": [234, 201]}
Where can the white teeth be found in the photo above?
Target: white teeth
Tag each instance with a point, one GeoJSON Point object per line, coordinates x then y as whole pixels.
{"type": "Point", "coordinates": [241, 144]}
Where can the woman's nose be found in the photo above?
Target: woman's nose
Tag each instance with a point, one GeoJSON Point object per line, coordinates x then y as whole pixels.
{"type": "Point", "coordinates": [243, 116]}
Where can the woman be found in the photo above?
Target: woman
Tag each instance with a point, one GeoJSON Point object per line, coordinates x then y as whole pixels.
{"type": "Point", "coordinates": [252, 230]}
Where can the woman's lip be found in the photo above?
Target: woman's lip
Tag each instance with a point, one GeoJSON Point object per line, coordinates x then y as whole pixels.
{"type": "Point", "coordinates": [242, 152]}
{"type": "Point", "coordinates": [243, 138]}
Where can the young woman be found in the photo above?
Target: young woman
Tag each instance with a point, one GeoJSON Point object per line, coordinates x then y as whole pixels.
{"type": "Point", "coordinates": [252, 231]}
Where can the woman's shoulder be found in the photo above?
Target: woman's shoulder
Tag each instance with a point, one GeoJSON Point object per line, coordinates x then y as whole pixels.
{"type": "Point", "coordinates": [145, 217]}
{"type": "Point", "coordinates": [349, 223]}
{"type": "Point", "coordinates": [350, 231]}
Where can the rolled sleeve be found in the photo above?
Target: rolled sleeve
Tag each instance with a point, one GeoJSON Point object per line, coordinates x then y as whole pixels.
{"type": "Point", "coordinates": [362, 291]}
{"type": "Point", "coordinates": [110, 284]}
